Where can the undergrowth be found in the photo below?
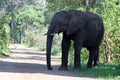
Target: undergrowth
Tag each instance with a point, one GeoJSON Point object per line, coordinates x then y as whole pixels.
{"type": "Point", "coordinates": [103, 71]}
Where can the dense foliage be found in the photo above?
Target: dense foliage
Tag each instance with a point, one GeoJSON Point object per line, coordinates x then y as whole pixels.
{"type": "Point", "coordinates": [4, 36]}
{"type": "Point", "coordinates": [26, 21]}
{"type": "Point", "coordinates": [111, 17]}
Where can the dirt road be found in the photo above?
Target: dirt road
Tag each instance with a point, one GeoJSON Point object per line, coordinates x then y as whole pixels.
{"type": "Point", "coordinates": [28, 64]}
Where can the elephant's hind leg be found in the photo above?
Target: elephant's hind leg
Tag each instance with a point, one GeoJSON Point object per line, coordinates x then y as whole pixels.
{"type": "Point", "coordinates": [96, 58]}
{"type": "Point", "coordinates": [93, 56]}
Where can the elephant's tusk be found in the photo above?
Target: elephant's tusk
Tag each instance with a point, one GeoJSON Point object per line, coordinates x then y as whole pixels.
{"type": "Point", "coordinates": [45, 34]}
{"type": "Point", "coordinates": [50, 34]}
{"type": "Point", "coordinates": [53, 33]}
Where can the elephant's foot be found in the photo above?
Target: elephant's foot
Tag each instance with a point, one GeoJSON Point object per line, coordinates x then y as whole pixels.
{"type": "Point", "coordinates": [49, 68]}
{"type": "Point", "coordinates": [77, 68]}
{"type": "Point", "coordinates": [96, 64]}
{"type": "Point", "coordinates": [89, 66]}
{"type": "Point", "coordinates": [63, 68]}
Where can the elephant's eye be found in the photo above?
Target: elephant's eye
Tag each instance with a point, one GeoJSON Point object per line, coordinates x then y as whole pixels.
{"type": "Point", "coordinates": [60, 23]}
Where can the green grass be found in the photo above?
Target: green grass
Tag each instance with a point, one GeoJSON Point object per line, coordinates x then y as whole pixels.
{"type": "Point", "coordinates": [3, 56]}
{"type": "Point", "coordinates": [103, 71]}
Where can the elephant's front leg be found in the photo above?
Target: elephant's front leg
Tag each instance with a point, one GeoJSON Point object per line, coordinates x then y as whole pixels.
{"type": "Point", "coordinates": [77, 55]}
{"type": "Point", "coordinates": [65, 49]}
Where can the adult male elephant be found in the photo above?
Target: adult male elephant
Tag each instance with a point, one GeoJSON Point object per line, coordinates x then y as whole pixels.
{"type": "Point", "coordinates": [84, 28]}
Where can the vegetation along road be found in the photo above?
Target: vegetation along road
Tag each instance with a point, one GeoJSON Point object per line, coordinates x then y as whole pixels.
{"type": "Point", "coordinates": [28, 64]}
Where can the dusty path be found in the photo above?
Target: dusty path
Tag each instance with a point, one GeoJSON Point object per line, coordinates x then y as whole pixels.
{"type": "Point", "coordinates": [28, 64]}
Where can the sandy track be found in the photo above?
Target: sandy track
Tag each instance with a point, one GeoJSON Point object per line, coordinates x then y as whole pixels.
{"type": "Point", "coordinates": [28, 64]}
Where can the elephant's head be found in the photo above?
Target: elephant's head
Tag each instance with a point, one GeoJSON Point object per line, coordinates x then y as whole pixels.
{"type": "Point", "coordinates": [64, 21]}
{"type": "Point", "coordinates": [77, 21]}
{"type": "Point", "coordinates": [59, 23]}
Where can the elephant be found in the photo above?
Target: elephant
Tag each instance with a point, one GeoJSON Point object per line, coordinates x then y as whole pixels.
{"type": "Point", "coordinates": [85, 29]}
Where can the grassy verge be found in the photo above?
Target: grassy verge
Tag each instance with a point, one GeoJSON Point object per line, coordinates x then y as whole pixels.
{"type": "Point", "coordinates": [103, 71]}
{"type": "Point", "coordinates": [3, 56]}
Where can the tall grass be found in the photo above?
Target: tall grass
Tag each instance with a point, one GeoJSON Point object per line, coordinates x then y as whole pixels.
{"type": "Point", "coordinates": [103, 71]}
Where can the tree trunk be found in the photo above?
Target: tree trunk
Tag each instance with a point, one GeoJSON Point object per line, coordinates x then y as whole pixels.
{"type": "Point", "coordinates": [21, 38]}
{"type": "Point", "coordinates": [90, 4]}
{"type": "Point", "coordinates": [107, 50]}
{"type": "Point", "coordinates": [107, 56]}
{"type": "Point", "coordinates": [11, 24]}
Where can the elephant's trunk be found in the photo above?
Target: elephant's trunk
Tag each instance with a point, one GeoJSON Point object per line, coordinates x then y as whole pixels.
{"type": "Point", "coordinates": [48, 50]}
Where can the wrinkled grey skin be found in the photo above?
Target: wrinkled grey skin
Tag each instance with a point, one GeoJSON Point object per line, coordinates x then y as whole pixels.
{"type": "Point", "coordinates": [84, 28]}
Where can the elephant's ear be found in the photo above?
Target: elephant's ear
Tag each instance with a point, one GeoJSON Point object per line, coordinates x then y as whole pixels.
{"type": "Point", "coordinates": [76, 23]}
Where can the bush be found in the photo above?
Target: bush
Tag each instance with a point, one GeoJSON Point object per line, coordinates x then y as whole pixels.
{"type": "Point", "coordinates": [36, 38]}
{"type": "Point", "coordinates": [56, 48]}
{"type": "Point", "coordinates": [4, 36]}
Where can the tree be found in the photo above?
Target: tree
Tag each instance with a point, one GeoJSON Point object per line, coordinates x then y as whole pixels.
{"type": "Point", "coordinates": [24, 15]}
{"type": "Point", "coordinates": [4, 35]}
{"type": "Point", "coordinates": [73, 4]}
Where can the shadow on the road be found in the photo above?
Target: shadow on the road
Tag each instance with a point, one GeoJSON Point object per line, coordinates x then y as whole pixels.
{"type": "Point", "coordinates": [22, 67]}
{"type": "Point", "coordinates": [16, 67]}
